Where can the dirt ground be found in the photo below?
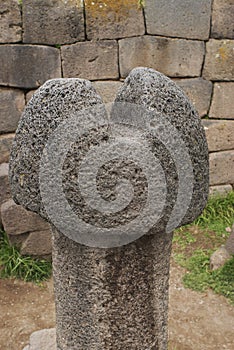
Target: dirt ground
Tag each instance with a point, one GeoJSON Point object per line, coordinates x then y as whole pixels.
{"type": "Point", "coordinates": [197, 321]}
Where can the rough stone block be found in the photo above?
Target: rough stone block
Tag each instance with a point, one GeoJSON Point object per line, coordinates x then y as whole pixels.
{"type": "Point", "coordinates": [222, 19]}
{"type": "Point", "coordinates": [53, 22]}
{"type": "Point", "coordinates": [113, 19]}
{"type": "Point", "coordinates": [219, 60]}
{"type": "Point", "coordinates": [10, 21]}
{"type": "Point", "coordinates": [220, 189]}
{"type": "Point", "coordinates": [12, 103]}
{"type": "Point", "coordinates": [173, 57]}
{"type": "Point", "coordinates": [219, 258]}
{"type": "Point", "coordinates": [185, 19]}
{"type": "Point", "coordinates": [44, 339]}
{"type": "Point", "coordinates": [229, 245]}
{"type": "Point", "coordinates": [222, 105]}
{"type": "Point", "coordinates": [5, 192]}
{"type": "Point", "coordinates": [91, 60]}
{"type": "Point", "coordinates": [219, 134]}
{"type": "Point", "coordinates": [17, 220]}
{"type": "Point", "coordinates": [29, 95]}
{"type": "Point", "coordinates": [5, 146]}
{"type": "Point", "coordinates": [107, 89]}
{"type": "Point", "coordinates": [38, 243]}
{"type": "Point", "coordinates": [222, 168]}
{"type": "Point", "coordinates": [28, 66]}
{"type": "Point", "coordinates": [198, 91]}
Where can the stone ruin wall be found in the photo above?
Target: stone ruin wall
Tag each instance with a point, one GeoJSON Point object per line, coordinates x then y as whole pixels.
{"type": "Point", "coordinates": [102, 41]}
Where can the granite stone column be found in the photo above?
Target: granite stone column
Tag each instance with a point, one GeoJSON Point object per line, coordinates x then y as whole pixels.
{"type": "Point", "coordinates": [115, 298]}
{"type": "Point", "coordinates": [113, 187]}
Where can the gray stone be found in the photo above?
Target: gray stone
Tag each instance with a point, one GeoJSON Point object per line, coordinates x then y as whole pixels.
{"type": "Point", "coordinates": [222, 168]}
{"type": "Point", "coordinates": [44, 339]}
{"type": "Point", "coordinates": [118, 295]}
{"type": "Point", "coordinates": [229, 245]}
{"type": "Point", "coordinates": [173, 57]}
{"type": "Point", "coordinates": [220, 190]}
{"type": "Point", "coordinates": [28, 66]}
{"type": "Point", "coordinates": [12, 103]}
{"type": "Point", "coordinates": [107, 89]}
{"type": "Point", "coordinates": [53, 22]}
{"type": "Point", "coordinates": [219, 258]}
{"type": "Point", "coordinates": [219, 60]}
{"type": "Point", "coordinates": [219, 134]}
{"type": "Point", "coordinates": [5, 146]}
{"type": "Point", "coordinates": [113, 19]}
{"type": "Point", "coordinates": [185, 19]}
{"type": "Point", "coordinates": [29, 95]}
{"type": "Point", "coordinates": [10, 21]}
{"type": "Point", "coordinates": [16, 220]}
{"type": "Point", "coordinates": [222, 105]}
{"type": "Point", "coordinates": [198, 91]}
{"type": "Point", "coordinates": [91, 60]}
{"type": "Point", "coordinates": [149, 88]}
{"type": "Point", "coordinates": [38, 243]}
{"type": "Point", "coordinates": [5, 192]}
{"type": "Point", "coordinates": [222, 19]}
{"type": "Point", "coordinates": [115, 298]}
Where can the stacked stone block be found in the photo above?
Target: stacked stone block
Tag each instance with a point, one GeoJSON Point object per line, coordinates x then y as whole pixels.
{"type": "Point", "coordinates": [190, 41]}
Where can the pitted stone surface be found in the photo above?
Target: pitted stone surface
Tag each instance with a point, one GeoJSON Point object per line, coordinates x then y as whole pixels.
{"type": "Point", "coordinates": [58, 100]}
{"type": "Point", "coordinates": [112, 298]}
{"type": "Point", "coordinates": [152, 89]}
{"type": "Point", "coordinates": [51, 104]}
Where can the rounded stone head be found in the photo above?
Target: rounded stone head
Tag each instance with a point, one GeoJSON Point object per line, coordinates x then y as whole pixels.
{"type": "Point", "coordinates": [104, 178]}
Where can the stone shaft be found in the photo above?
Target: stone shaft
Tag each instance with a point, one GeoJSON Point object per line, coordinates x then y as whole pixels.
{"type": "Point", "coordinates": [112, 298]}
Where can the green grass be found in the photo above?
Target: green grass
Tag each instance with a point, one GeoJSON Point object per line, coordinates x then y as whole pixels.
{"type": "Point", "coordinates": [218, 214]}
{"type": "Point", "coordinates": [14, 265]}
{"type": "Point", "coordinates": [200, 278]}
{"type": "Point", "coordinates": [194, 244]}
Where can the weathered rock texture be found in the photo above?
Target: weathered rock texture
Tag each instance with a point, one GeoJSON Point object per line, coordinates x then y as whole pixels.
{"type": "Point", "coordinates": [5, 192]}
{"type": "Point", "coordinates": [12, 103]}
{"type": "Point", "coordinates": [61, 23]}
{"type": "Point", "coordinates": [91, 60]}
{"type": "Point", "coordinates": [54, 22]}
{"type": "Point", "coordinates": [5, 146]}
{"type": "Point", "coordinates": [28, 66]}
{"type": "Point", "coordinates": [114, 298]}
{"type": "Point", "coordinates": [222, 106]}
{"type": "Point", "coordinates": [120, 294]}
{"type": "Point", "coordinates": [192, 18]}
{"type": "Point", "coordinates": [113, 19]}
{"type": "Point", "coordinates": [222, 168]}
{"type": "Point", "coordinates": [219, 60]}
{"type": "Point", "coordinates": [173, 57]}
{"type": "Point", "coordinates": [42, 340]}
{"type": "Point", "coordinates": [222, 19]}
{"type": "Point", "coordinates": [10, 21]}
{"type": "Point", "coordinates": [214, 129]}
{"type": "Point", "coordinates": [198, 91]}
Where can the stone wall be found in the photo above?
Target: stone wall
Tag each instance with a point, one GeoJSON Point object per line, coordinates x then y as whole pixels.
{"type": "Point", "coordinates": [189, 41]}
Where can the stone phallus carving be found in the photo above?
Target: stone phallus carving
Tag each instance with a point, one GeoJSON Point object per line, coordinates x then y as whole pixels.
{"type": "Point", "coordinates": [113, 186]}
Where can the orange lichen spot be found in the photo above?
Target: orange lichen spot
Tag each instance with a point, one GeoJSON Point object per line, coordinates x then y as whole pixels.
{"type": "Point", "coordinates": [102, 8]}
{"type": "Point", "coordinates": [223, 53]}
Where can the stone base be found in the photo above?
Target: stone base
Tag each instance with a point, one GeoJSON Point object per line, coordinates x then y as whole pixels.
{"type": "Point", "coordinates": [44, 339]}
